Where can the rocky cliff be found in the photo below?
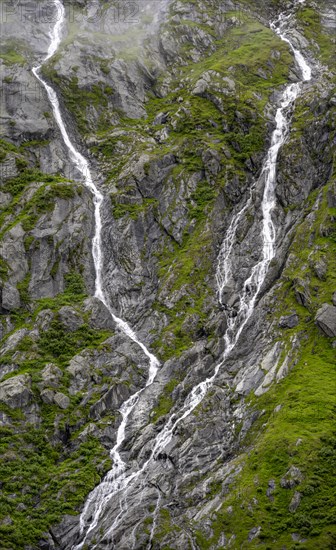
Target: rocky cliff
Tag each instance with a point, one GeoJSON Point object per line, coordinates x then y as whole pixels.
{"type": "Point", "coordinates": [173, 104]}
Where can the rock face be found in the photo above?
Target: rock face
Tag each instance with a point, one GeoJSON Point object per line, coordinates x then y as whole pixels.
{"type": "Point", "coordinates": [173, 104]}
{"type": "Point", "coordinates": [326, 319]}
{"type": "Point", "coordinates": [15, 392]}
{"type": "Point", "coordinates": [290, 321]}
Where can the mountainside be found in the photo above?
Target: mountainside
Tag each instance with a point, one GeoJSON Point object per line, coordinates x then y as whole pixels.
{"type": "Point", "coordinates": [167, 275]}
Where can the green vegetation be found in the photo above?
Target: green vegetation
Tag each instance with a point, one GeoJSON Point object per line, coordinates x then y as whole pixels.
{"type": "Point", "coordinates": [165, 400]}
{"type": "Point", "coordinates": [43, 479]}
{"type": "Point", "coordinates": [321, 39]}
{"type": "Point", "coordinates": [79, 100]}
{"type": "Point", "coordinates": [12, 57]}
{"type": "Point", "coordinates": [42, 482]}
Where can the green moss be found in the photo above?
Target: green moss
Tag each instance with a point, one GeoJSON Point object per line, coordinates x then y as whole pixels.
{"type": "Point", "coordinates": [133, 210]}
{"type": "Point", "coordinates": [12, 57]}
{"type": "Point", "coordinates": [165, 400]}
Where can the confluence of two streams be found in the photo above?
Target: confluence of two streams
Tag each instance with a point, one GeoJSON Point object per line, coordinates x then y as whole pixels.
{"type": "Point", "coordinates": [117, 479]}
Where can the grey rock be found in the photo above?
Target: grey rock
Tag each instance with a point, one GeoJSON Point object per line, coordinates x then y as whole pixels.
{"type": "Point", "coordinates": [70, 319]}
{"type": "Point", "coordinates": [62, 400]}
{"type": "Point", "coordinates": [80, 372]}
{"type": "Point", "coordinates": [292, 477]}
{"type": "Point", "coordinates": [302, 292]}
{"type": "Point", "coordinates": [51, 375]}
{"type": "Point", "coordinates": [295, 502]}
{"type": "Point", "coordinates": [111, 400]}
{"type": "Point", "coordinates": [15, 392]}
{"type": "Point", "coordinates": [334, 298]}
{"type": "Point", "coordinates": [297, 538]}
{"type": "Point", "coordinates": [47, 396]}
{"type": "Point", "coordinates": [13, 340]}
{"type": "Point", "coordinates": [254, 533]}
{"type": "Point", "coordinates": [90, 430]}
{"type": "Point", "coordinates": [8, 168]}
{"type": "Point", "coordinates": [249, 381]}
{"type": "Point", "coordinates": [10, 297]}
{"type": "Point", "coordinates": [14, 253]}
{"type": "Point", "coordinates": [44, 319]}
{"type": "Point", "coordinates": [100, 317]}
{"type": "Point", "coordinates": [326, 320]}
{"type": "Point", "coordinates": [161, 118]}
{"type": "Point", "coordinates": [320, 267]}
{"type": "Point", "coordinates": [270, 489]}
{"type": "Point", "coordinates": [290, 321]}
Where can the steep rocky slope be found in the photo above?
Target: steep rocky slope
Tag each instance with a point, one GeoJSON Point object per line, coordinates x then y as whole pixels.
{"type": "Point", "coordinates": [174, 106]}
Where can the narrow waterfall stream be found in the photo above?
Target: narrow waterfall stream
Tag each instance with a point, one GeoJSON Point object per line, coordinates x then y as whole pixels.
{"type": "Point", "coordinates": [118, 480]}
{"type": "Point", "coordinates": [82, 165]}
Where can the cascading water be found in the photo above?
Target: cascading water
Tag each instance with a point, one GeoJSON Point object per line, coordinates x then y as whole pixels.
{"type": "Point", "coordinates": [118, 481]}
{"type": "Point", "coordinates": [83, 168]}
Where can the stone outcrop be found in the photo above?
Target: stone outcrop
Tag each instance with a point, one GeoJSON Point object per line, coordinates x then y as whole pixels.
{"type": "Point", "coordinates": [15, 392]}
{"type": "Point", "coordinates": [326, 320]}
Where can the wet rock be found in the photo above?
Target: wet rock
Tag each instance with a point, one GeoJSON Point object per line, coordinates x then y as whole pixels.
{"type": "Point", "coordinates": [15, 392]}
{"type": "Point", "coordinates": [70, 319]}
{"type": "Point", "coordinates": [291, 478]}
{"type": "Point", "coordinates": [62, 400]}
{"type": "Point", "coordinates": [326, 320]}
{"type": "Point", "coordinates": [295, 502]}
{"type": "Point", "coordinates": [67, 530]}
{"type": "Point", "coordinates": [10, 297]}
{"type": "Point", "coordinates": [289, 321]}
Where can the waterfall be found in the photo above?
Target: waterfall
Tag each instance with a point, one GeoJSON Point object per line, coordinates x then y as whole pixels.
{"type": "Point", "coordinates": [118, 481]}
{"type": "Point", "coordinates": [82, 165]}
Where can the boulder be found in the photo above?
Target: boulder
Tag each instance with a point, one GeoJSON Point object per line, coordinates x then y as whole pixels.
{"type": "Point", "coordinates": [289, 321]}
{"type": "Point", "coordinates": [10, 297]}
{"type": "Point", "coordinates": [161, 118]}
{"type": "Point", "coordinates": [61, 400]}
{"type": "Point", "coordinates": [44, 319]}
{"type": "Point", "coordinates": [100, 317]}
{"type": "Point", "coordinates": [295, 502]}
{"type": "Point", "coordinates": [326, 320]}
{"type": "Point", "coordinates": [70, 319]}
{"type": "Point", "coordinates": [254, 533]}
{"type": "Point", "coordinates": [47, 396]}
{"type": "Point", "coordinates": [291, 478]}
{"type": "Point", "coordinates": [51, 375]}
{"type": "Point", "coordinates": [334, 298]}
{"type": "Point", "coordinates": [15, 392]}
{"type": "Point", "coordinates": [302, 292]}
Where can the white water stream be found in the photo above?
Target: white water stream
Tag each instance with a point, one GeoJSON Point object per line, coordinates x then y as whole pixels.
{"type": "Point", "coordinates": [83, 168]}
{"type": "Point", "coordinates": [118, 480]}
